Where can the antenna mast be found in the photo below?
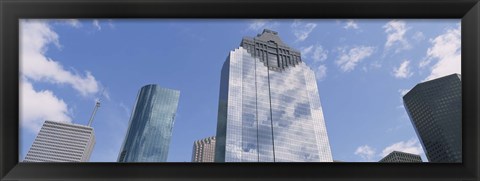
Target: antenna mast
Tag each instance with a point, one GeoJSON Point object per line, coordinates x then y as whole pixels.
{"type": "Point", "coordinates": [97, 105]}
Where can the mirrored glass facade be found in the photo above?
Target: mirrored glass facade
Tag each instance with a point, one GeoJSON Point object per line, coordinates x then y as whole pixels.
{"type": "Point", "coordinates": [269, 106]}
{"type": "Point", "coordinates": [150, 127]}
{"type": "Point", "coordinates": [435, 110]}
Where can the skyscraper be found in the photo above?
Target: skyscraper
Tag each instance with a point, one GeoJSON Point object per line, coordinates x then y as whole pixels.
{"type": "Point", "coordinates": [62, 142]}
{"type": "Point", "coordinates": [204, 150]}
{"type": "Point", "coordinates": [150, 127]}
{"type": "Point", "coordinates": [398, 156]}
{"type": "Point", "coordinates": [269, 106]}
{"type": "Point", "coordinates": [435, 110]}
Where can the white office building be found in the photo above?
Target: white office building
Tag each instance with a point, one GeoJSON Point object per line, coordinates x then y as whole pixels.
{"type": "Point", "coordinates": [62, 142]}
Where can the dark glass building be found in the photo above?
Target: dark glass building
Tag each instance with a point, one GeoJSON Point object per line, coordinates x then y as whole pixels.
{"type": "Point", "coordinates": [269, 106]}
{"type": "Point", "coordinates": [435, 110]}
{"type": "Point", "coordinates": [151, 123]}
{"type": "Point", "coordinates": [398, 156]}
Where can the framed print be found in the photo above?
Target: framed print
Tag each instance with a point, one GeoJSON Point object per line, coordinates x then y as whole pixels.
{"type": "Point", "coordinates": [318, 90]}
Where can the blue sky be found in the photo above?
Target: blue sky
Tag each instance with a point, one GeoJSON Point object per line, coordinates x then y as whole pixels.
{"type": "Point", "coordinates": [363, 68]}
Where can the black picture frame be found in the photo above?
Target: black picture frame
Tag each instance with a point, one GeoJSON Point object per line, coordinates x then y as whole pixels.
{"type": "Point", "coordinates": [13, 10]}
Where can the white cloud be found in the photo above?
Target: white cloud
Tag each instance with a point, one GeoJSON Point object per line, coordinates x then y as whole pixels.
{"type": "Point", "coordinates": [35, 36]}
{"type": "Point", "coordinates": [403, 71]}
{"type": "Point", "coordinates": [321, 72]}
{"type": "Point", "coordinates": [96, 24]}
{"type": "Point", "coordinates": [446, 53]}
{"type": "Point", "coordinates": [372, 66]}
{"type": "Point", "coordinates": [38, 106]}
{"type": "Point", "coordinates": [260, 24]}
{"type": "Point", "coordinates": [366, 152]}
{"type": "Point", "coordinates": [348, 59]}
{"type": "Point", "coordinates": [424, 63]}
{"type": "Point", "coordinates": [306, 50]}
{"type": "Point", "coordinates": [106, 94]}
{"type": "Point", "coordinates": [395, 30]}
{"type": "Point", "coordinates": [73, 23]}
{"type": "Point", "coordinates": [403, 91]}
{"type": "Point", "coordinates": [350, 24]}
{"type": "Point", "coordinates": [110, 24]}
{"type": "Point", "coordinates": [418, 36]}
{"type": "Point", "coordinates": [302, 30]}
{"type": "Point", "coordinates": [376, 65]}
{"type": "Point", "coordinates": [396, 128]}
{"type": "Point", "coordinates": [126, 109]}
{"type": "Point", "coordinates": [411, 146]}
{"type": "Point", "coordinates": [257, 24]}
{"type": "Point", "coordinates": [365, 69]}
{"type": "Point", "coordinates": [319, 55]}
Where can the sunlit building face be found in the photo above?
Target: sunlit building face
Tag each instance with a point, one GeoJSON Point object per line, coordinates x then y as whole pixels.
{"type": "Point", "coordinates": [269, 106]}
{"type": "Point", "coordinates": [151, 123]}
{"type": "Point", "coordinates": [204, 150]}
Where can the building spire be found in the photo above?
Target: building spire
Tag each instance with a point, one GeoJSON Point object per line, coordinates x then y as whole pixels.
{"type": "Point", "coordinates": [97, 105]}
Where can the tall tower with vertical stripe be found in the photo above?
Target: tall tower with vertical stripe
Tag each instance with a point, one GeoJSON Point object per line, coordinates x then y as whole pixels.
{"type": "Point", "coordinates": [269, 106]}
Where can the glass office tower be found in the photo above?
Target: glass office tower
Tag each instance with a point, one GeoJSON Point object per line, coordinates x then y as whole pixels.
{"type": "Point", "coordinates": [435, 109]}
{"type": "Point", "coordinates": [151, 123]}
{"type": "Point", "coordinates": [269, 106]}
